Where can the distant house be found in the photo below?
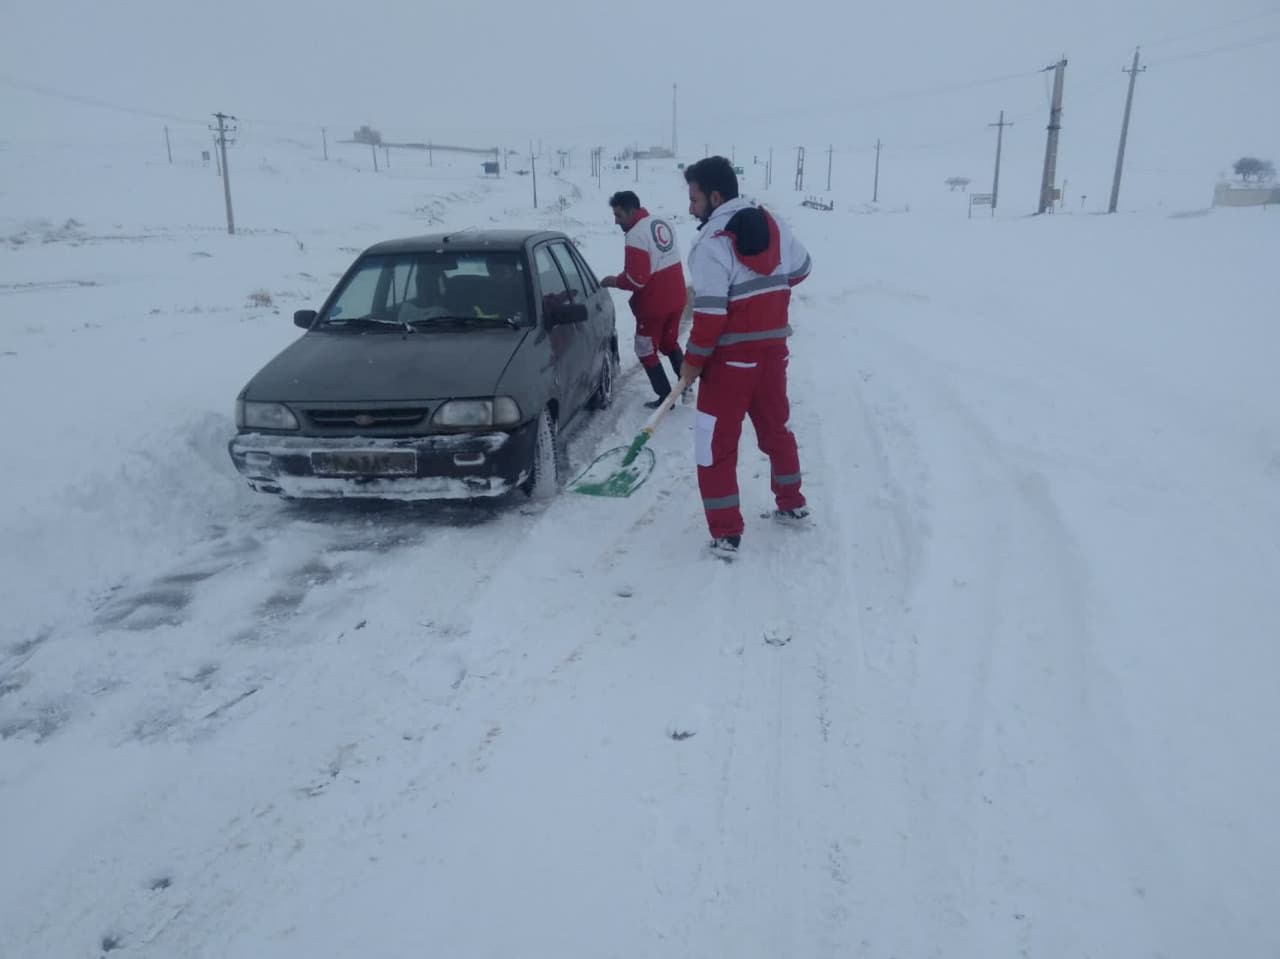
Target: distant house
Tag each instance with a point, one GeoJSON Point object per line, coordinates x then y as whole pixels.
{"type": "Point", "coordinates": [1231, 194]}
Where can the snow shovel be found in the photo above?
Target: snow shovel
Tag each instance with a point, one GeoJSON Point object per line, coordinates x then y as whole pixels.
{"type": "Point", "coordinates": [622, 470]}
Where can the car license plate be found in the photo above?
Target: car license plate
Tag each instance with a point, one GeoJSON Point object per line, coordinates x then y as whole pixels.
{"type": "Point", "coordinates": [365, 463]}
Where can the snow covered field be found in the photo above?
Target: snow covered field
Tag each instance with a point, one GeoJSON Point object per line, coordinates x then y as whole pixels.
{"type": "Point", "coordinates": [1013, 694]}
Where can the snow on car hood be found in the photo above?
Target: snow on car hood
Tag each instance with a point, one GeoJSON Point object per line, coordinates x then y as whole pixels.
{"type": "Point", "coordinates": [386, 366]}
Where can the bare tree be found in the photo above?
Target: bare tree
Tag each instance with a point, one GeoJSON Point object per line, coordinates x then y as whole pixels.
{"type": "Point", "coordinates": [1251, 168]}
{"type": "Point", "coordinates": [366, 134]}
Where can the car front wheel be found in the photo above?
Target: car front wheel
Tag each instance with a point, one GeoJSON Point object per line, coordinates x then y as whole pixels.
{"type": "Point", "coordinates": [544, 470]}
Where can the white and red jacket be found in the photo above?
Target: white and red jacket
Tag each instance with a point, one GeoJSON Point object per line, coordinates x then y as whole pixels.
{"type": "Point", "coordinates": [653, 272]}
{"type": "Point", "coordinates": [743, 265]}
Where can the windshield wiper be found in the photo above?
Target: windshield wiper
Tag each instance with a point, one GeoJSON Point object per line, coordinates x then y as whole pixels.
{"type": "Point", "coordinates": [367, 321]}
{"type": "Point", "coordinates": [457, 318]}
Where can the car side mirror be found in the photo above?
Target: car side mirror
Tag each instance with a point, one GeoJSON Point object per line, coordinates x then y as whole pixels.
{"type": "Point", "coordinates": [569, 313]}
{"type": "Point", "coordinates": [304, 318]}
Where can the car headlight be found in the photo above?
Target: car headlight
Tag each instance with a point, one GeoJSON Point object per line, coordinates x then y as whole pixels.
{"type": "Point", "coordinates": [264, 416]}
{"type": "Point", "coordinates": [500, 411]}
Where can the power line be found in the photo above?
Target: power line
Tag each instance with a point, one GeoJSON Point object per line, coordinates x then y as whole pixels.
{"type": "Point", "coordinates": [1214, 51]}
{"type": "Point", "coordinates": [853, 105]}
{"type": "Point", "coordinates": [94, 101]}
{"type": "Point", "coordinates": [102, 104]}
{"type": "Point", "coordinates": [1215, 28]}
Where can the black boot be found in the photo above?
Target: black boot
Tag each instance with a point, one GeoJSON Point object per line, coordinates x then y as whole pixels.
{"type": "Point", "coordinates": [677, 360]}
{"type": "Point", "coordinates": [661, 385]}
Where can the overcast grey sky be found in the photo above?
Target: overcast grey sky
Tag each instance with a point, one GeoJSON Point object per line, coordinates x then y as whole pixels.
{"type": "Point", "coordinates": [750, 73]}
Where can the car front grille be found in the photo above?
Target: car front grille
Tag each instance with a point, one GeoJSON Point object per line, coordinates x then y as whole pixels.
{"type": "Point", "coordinates": [378, 419]}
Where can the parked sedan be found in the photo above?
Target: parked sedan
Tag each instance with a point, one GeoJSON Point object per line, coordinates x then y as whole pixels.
{"type": "Point", "coordinates": [440, 367]}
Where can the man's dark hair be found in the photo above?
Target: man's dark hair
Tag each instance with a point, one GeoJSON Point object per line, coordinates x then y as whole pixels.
{"type": "Point", "coordinates": [626, 200]}
{"type": "Point", "coordinates": [713, 175]}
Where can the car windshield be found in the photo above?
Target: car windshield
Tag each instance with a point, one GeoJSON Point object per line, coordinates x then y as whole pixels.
{"type": "Point", "coordinates": [431, 292]}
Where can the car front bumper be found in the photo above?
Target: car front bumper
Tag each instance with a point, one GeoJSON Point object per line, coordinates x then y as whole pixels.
{"type": "Point", "coordinates": [438, 467]}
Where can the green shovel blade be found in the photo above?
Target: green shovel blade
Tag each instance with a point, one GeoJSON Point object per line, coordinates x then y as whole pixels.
{"type": "Point", "coordinates": [617, 472]}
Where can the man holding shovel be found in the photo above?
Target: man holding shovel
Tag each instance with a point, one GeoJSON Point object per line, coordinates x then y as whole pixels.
{"type": "Point", "coordinates": [654, 276]}
{"type": "Point", "coordinates": [743, 265]}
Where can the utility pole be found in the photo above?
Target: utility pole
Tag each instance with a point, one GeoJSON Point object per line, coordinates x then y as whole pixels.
{"type": "Point", "coordinates": [217, 157]}
{"type": "Point", "coordinates": [635, 157]}
{"type": "Point", "coordinates": [386, 152]}
{"type": "Point", "coordinates": [875, 190]}
{"type": "Point", "coordinates": [1051, 145]}
{"type": "Point", "coordinates": [431, 161]}
{"type": "Point", "coordinates": [674, 149]}
{"type": "Point", "coordinates": [373, 148]}
{"type": "Point", "coordinates": [830, 152]}
{"type": "Point", "coordinates": [1124, 131]}
{"type": "Point", "coordinates": [995, 184]}
{"type": "Point", "coordinates": [768, 171]}
{"type": "Point", "coordinates": [226, 172]}
{"type": "Point", "coordinates": [324, 138]}
{"type": "Point", "coordinates": [167, 147]}
{"type": "Point", "coordinates": [533, 165]}
{"type": "Point", "coordinates": [799, 168]}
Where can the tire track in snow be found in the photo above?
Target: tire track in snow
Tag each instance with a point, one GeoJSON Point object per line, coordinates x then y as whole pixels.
{"type": "Point", "coordinates": [270, 745]}
{"type": "Point", "coordinates": [445, 737]}
{"type": "Point", "coordinates": [1006, 609]}
{"type": "Point", "coordinates": [879, 893]}
{"type": "Point", "coordinates": [786, 623]}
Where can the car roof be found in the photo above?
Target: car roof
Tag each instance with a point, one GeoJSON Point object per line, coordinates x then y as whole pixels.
{"type": "Point", "coordinates": [465, 241]}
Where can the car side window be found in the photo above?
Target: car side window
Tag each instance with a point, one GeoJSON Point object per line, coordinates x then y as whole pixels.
{"type": "Point", "coordinates": [592, 283]}
{"type": "Point", "coordinates": [550, 281]}
{"type": "Point", "coordinates": [577, 285]}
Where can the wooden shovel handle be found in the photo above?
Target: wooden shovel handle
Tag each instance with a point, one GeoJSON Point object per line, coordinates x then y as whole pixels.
{"type": "Point", "coordinates": [661, 411]}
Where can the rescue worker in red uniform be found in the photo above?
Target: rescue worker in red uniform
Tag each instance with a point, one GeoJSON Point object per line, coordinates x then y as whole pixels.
{"type": "Point", "coordinates": [653, 274]}
{"type": "Point", "coordinates": [742, 267]}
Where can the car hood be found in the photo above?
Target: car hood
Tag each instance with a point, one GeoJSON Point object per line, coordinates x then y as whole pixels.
{"type": "Point", "coordinates": [386, 367]}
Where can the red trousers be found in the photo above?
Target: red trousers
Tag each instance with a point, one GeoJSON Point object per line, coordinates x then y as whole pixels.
{"type": "Point", "coordinates": [657, 336]}
{"type": "Point", "coordinates": [729, 390]}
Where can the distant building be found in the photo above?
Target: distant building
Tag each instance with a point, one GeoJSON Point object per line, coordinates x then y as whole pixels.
{"type": "Point", "coordinates": [1230, 194]}
{"type": "Point", "coordinates": [652, 153]}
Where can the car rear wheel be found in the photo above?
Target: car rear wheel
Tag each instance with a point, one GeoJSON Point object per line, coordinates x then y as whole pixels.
{"type": "Point", "coordinates": [544, 470]}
